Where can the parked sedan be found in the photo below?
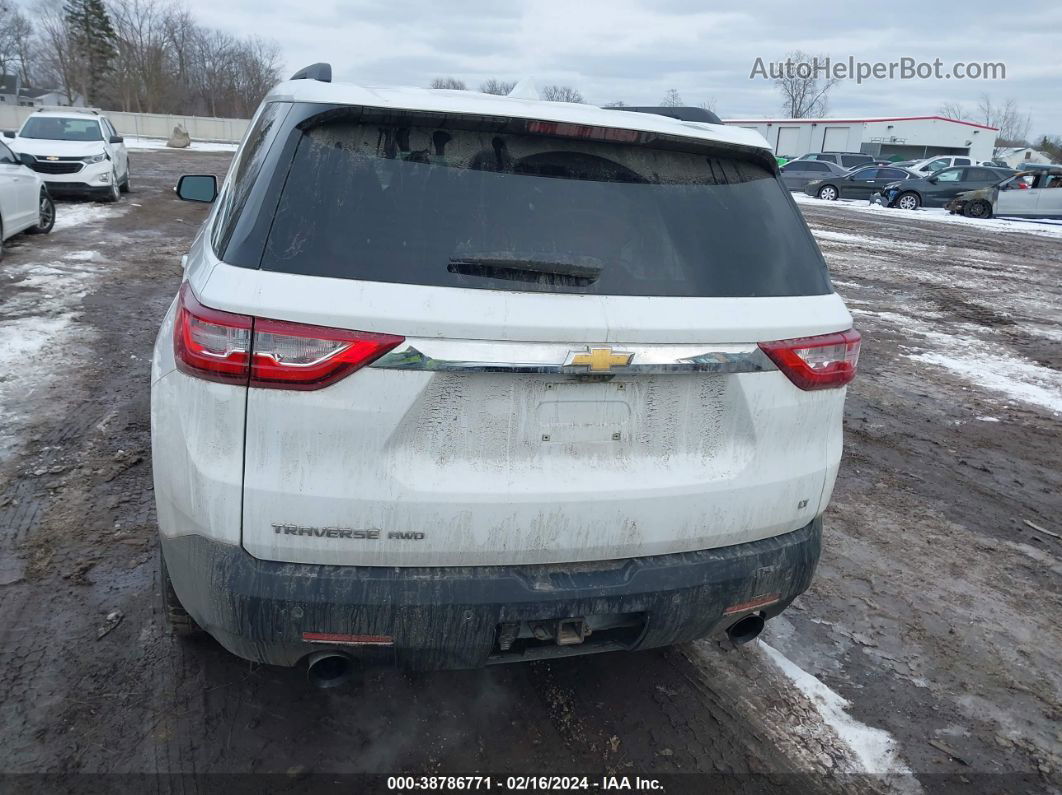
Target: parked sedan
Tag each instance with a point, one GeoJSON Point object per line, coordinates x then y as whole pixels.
{"type": "Point", "coordinates": [940, 188]}
{"type": "Point", "coordinates": [858, 184]}
{"type": "Point", "coordinates": [25, 205]}
{"type": "Point", "coordinates": [1029, 194]}
{"type": "Point", "coordinates": [797, 173]}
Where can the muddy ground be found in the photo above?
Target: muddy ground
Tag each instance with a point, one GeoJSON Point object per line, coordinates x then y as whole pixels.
{"type": "Point", "coordinates": [934, 612]}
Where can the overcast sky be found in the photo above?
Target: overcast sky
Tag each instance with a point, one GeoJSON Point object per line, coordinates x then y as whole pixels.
{"type": "Point", "coordinates": [635, 51]}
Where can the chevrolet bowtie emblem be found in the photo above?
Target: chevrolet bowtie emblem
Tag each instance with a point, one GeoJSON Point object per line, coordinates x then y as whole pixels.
{"type": "Point", "coordinates": [51, 157]}
{"type": "Point", "coordinates": [599, 360]}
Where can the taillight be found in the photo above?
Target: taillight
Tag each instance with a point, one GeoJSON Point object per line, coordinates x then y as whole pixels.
{"type": "Point", "coordinates": [211, 344]}
{"type": "Point", "coordinates": [298, 356]}
{"type": "Point", "coordinates": [821, 362]}
{"type": "Point", "coordinates": [275, 354]}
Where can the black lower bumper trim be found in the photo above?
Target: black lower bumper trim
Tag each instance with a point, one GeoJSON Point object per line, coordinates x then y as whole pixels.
{"type": "Point", "coordinates": [77, 189]}
{"type": "Point", "coordinates": [448, 617]}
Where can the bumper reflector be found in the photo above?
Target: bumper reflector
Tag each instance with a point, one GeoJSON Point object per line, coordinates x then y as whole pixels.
{"type": "Point", "coordinates": [338, 639]}
{"type": "Point", "coordinates": [752, 604]}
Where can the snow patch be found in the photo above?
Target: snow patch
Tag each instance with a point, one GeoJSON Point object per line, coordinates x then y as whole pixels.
{"type": "Point", "coordinates": [874, 750]}
{"type": "Point", "coordinates": [26, 337]}
{"type": "Point", "coordinates": [985, 365]}
{"type": "Point", "coordinates": [144, 144]}
{"type": "Point", "coordinates": [1042, 227]}
{"type": "Point", "coordinates": [68, 216]}
{"type": "Point", "coordinates": [81, 256]}
{"type": "Point", "coordinates": [1014, 377]}
{"type": "Point", "coordinates": [39, 315]}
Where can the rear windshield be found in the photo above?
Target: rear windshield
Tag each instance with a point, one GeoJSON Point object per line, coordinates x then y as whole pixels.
{"type": "Point", "coordinates": [58, 129]}
{"type": "Point", "coordinates": [480, 209]}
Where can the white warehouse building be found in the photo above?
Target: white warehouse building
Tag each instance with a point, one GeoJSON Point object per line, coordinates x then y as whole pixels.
{"type": "Point", "coordinates": [904, 138]}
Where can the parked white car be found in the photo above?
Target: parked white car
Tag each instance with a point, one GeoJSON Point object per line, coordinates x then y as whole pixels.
{"type": "Point", "coordinates": [25, 205]}
{"type": "Point", "coordinates": [931, 165]}
{"type": "Point", "coordinates": [456, 379]}
{"type": "Point", "coordinates": [77, 151]}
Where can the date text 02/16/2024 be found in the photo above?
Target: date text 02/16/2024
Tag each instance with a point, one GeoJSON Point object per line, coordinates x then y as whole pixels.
{"type": "Point", "coordinates": [521, 783]}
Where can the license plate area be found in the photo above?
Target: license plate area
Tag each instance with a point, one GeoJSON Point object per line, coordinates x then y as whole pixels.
{"type": "Point", "coordinates": [584, 413]}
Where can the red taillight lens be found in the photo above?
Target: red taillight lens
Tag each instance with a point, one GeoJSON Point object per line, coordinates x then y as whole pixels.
{"type": "Point", "coordinates": [822, 362]}
{"type": "Point", "coordinates": [298, 356]}
{"type": "Point", "coordinates": [211, 344]}
{"type": "Point", "coordinates": [238, 349]}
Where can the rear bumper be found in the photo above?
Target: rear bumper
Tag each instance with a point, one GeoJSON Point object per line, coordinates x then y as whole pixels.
{"type": "Point", "coordinates": [449, 617]}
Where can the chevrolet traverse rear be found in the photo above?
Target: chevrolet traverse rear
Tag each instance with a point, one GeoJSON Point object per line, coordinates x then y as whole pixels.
{"type": "Point", "coordinates": [456, 379]}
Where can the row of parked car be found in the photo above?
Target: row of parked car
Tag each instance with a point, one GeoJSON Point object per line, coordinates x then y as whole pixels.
{"type": "Point", "coordinates": [975, 189]}
{"type": "Point", "coordinates": [73, 151]}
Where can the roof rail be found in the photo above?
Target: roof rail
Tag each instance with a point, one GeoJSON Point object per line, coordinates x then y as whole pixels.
{"type": "Point", "coordinates": [66, 109]}
{"type": "Point", "coordinates": [681, 112]}
{"type": "Point", "coordinates": [319, 71]}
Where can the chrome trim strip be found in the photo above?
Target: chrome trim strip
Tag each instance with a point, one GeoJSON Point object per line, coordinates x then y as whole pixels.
{"type": "Point", "coordinates": [752, 360]}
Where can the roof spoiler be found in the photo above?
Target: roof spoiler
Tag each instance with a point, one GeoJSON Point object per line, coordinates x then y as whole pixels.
{"type": "Point", "coordinates": [322, 72]}
{"type": "Point", "coordinates": [681, 112]}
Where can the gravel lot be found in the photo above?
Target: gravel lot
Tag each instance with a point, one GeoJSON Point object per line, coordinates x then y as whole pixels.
{"type": "Point", "coordinates": [925, 654]}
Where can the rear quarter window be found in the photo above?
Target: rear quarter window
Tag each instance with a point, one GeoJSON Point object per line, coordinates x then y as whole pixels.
{"type": "Point", "coordinates": [474, 208]}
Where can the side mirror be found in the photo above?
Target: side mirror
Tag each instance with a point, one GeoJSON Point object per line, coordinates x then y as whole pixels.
{"type": "Point", "coordinates": [117, 139]}
{"type": "Point", "coordinates": [9, 133]}
{"type": "Point", "coordinates": [27, 160]}
{"type": "Point", "coordinates": [932, 180]}
{"type": "Point", "coordinates": [197, 188]}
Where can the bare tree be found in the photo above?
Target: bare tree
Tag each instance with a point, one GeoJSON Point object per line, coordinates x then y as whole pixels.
{"type": "Point", "coordinates": [561, 94]}
{"type": "Point", "coordinates": [449, 82]}
{"type": "Point", "coordinates": [804, 94]}
{"type": "Point", "coordinates": [143, 79]}
{"type": "Point", "coordinates": [616, 103]}
{"type": "Point", "coordinates": [58, 62]}
{"type": "Point", "coordinates": [952, 110]}
{"type": "Point", "coordinates": [671, 99]}
{"type": "Point", "coordinates": [1007, 116]}
{"type": "Point", "coordinates": [495, 86]}
{"type": "Point", "coordinates": [257, 70]}
{"type": "Point", "coordinates": [214, 59]}
{"type": "Point", "coordinates": [711, 104]}
{"type": "Point", "coordinates": [16, 40]}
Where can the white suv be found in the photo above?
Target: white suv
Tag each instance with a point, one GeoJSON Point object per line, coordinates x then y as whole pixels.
{"type": "Point", "coordinates": [931, 165]}
{"type": "Point", "coordinates": [25, 205]}
{"type": "Point", "coordinates": [457, 379]}
{"type": "Point", "coordinates": [77, 151]}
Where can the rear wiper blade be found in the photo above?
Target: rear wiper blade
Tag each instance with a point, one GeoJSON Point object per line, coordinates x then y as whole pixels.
{"type": "Point", "coordinates": [526, 270]}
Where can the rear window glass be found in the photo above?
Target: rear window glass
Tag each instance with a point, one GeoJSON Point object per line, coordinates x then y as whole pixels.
{"type": "Point", "coordinates": [479, 209]}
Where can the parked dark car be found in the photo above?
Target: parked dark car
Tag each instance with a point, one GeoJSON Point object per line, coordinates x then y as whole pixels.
{"type": "Point", "coordinates": [1036, 193]}
{"type": "Point", "coordinates": [843, 159]}
{"type": "Point", "coordinates": [940, 188]}
{"type": "Point", "coordinates": [858, 184]}
{"type": "Point", "coordinates": [797, 173]}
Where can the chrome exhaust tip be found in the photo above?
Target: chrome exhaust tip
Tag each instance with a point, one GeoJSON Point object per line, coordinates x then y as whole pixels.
{"type": "Point", "coordinates": [745, 630]}
{"type": "Point", "coordinates": [329, 669]}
